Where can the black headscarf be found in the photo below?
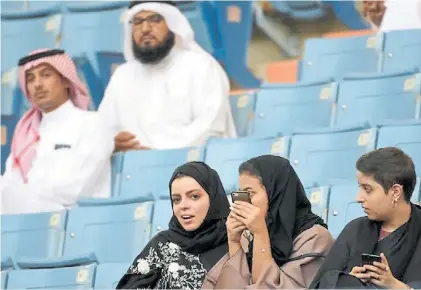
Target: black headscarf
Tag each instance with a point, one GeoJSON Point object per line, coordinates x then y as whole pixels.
{"type": "Point", "coordinates": [289, 210]}
{"type": "Point", "coordinates": [212, 232]}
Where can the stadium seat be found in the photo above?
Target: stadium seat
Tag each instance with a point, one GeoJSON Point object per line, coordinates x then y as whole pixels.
{"type": "Point", "coordinates": [285, 108]}
{"type": "Point", "coordinates": [404, 135]}
{"type": "Point", "coordinates": [108, 275]}
{"type": "Point", "coordinates": [24, 32]}
{"type": "Point", "coordinates": [319, 198]}
{"type": "Point", "coordinates": [416, 195]}
{"type": "Point", "coordinates": [326, 58]}
{"type": "Point", "coordinates": [9, 85]}
{"type": "Point", "coordinates": [242, 107]}
{"type": "Point", "coordinates": [8, 124]}
{"type": "Point", "coordinates": [4, 275]}
{"type": "Point", "coordinates": [301, 10]}
{"type": "Point", "coordinates": [108, 63]}
{"type": "Point", "coordinates": [16, 5]}
{"type": "Point", "coordinates": [226, 155]}
{"type": "Point", "coordinates": [343, 207]}
{"type": "Point", "coordinates": [58, 278]}
{"type": "Point", "coordinates": [402, 50]}
{"type": "Point", "coordinates": [116, 167]}
{"type": "Point", "coordinates": [91, 26]}
{"type": "Point", "coordinates": [114, 233]}
{"type": "Point", "coordinates": [375, 98]}
{"type": "Point", "coordinates": [327, 157]}
{"type": "Point", "coordinates": [161, 216]}
{"type": "Point", "coordinates": [38, 236]}
{"type": "Point", "coordinates": [148, 172]}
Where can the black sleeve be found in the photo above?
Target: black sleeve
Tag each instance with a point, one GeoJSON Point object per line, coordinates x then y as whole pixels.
{"type": "Point", "coordinates": [339, 255]}
{"type": "Point", "coordinates": [146, 269]}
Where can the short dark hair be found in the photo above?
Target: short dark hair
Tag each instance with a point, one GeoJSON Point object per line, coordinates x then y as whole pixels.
{"type": "Point", "coordinates": [389, 166]}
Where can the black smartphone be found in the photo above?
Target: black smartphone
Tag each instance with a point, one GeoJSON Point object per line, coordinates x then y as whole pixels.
{"type": "Point", "coordinates": [368, 259]}
{"type": "Point", "coordinates": [240, 196]}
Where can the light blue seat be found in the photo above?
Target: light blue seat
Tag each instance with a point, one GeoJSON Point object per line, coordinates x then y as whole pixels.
{"type": "Point", "coordinates": [8, 124]}
{"type": "Point", "coordinates": [226, 155]}
{"type": "Point", "coordinates": [9, 98]}
{"type": "Point", "coordinates": [116, 168]}
{"type": "Point", "coordinates": [58, 278]}
{"type": "Point", "coordinates": [416, 195]}
{"type": "Point", "coordinates": [93, 26]}
{"type": "Point", "coordinates": [343, 207]}
{"type": "Point", "coordinates": [114, 233]}
{"type": "Point", "coordinates": [108, 275]}
{"type": "Point", "coordinates": [161, 216]}
{"type": "Point", "coordinates": [242, 108]}
{"type": "Point", "coordinates": [284, 108]}
{"type": "Point", "coordinates": [148, 172]}
{"type": "Point", "coordinates": [33, 235]}
{"type": "Point", "coordinates": [31, 31]}
{"type": "Point", "coordinates": [13, 5]}
{"type": "Point", "coordinates": [404, 135]}
{"type": "Point", "coordinates": [4, 279]}
{"type": "Point", "coordinates": [319, 198]}
{"type": "Point", "coordinates": [374, 99]}
{"type": "Point", "coordinates": [327, 157]}
{"type": "Point", "coordinates": [301, 10]}
{"type": "Point", "coordinates": [402, 50]}
{"type": "Point", "coordinates": [108, 63]}
{"type": "Point", "coordinates": [336, 57]}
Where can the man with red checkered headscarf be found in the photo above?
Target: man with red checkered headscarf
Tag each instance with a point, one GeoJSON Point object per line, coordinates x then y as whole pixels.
{"type": "Point", "coordinates": [60, 150]}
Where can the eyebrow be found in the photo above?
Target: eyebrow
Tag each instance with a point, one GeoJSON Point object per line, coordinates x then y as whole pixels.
{"type": "Point", "coordinates": [187, 193]}
{"type": "Point", "coordinates": [246, 189]}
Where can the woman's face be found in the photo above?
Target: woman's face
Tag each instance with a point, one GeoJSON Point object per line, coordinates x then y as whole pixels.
{"type": "Point", "coordinates": [257, 191]}
{"type": "Point", "coordinates": [190, 202]}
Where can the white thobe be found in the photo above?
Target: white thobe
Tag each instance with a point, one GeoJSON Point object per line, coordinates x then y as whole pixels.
{"type": "Point", "coordinates": [179, 102]}
{"type": "Point", "coordinates": [72, 161]}
{"type": "Point", "coordinates": [401, 15]}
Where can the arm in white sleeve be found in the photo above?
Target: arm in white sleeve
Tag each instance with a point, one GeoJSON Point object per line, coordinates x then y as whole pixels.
{"type": "Point", "coordinates": [74, 173]}
{"type": "Point", "coordinates": [211, 109]}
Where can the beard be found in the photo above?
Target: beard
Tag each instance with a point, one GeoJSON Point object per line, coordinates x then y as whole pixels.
{"type": "Point", "coordinates": [153, 55]}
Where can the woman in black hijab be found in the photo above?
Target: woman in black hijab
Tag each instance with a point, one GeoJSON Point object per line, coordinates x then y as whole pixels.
{"type": "Point", "coordinates": [180, 257]}
{"type": "Point", "coordinates": [286, 241]}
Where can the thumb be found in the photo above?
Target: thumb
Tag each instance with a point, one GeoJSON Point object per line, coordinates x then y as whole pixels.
{"type": "Point", "coordinates": [384, 260]}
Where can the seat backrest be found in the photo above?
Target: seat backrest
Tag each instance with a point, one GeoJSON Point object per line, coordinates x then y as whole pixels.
{"type": "Point", "coordinates": [402, 50]}
{"type": "Point", "coordinates": [21, 36]}
{"type": "Point", "coordinates": [108, 62]}
{"type": "Point", "coordinates": [319, 198]}
{"type": "Point", "coordinates": [406, 136]}
{"type": "Point", "coordinates": [284, 108]}
{"type": "Point", "coordinates": [9, 85]}
{"type": "Point", "coordinates": [336, 57]}
{"type": "Point", "coordinates": [38, 235]}
{"type": "Point", "coordinates": [8, 124]}
{"type": "Point", "coordinates": [226, 155]}
{"type": "Point", "coordinates": [56, 278]}
{"type": "Point", "coordinates": [108, 275]}
{"type": "Point", "coordinates": [374, 99]}
{"type": "Point", "coordinates": [327, 157]}
{"type": "Point", "coordinates": [416, 195]}
{"type": "Point", "coordinates": [4, 279]}
{"type": "Point", "coordinates": [242, 108]}
{"type": "Point", "coordinates": [90, 27]}
{"type": "Point", "coordinates": [115, 233]}
{"type": "Point", "coordinates": [147, 172]}
{"type": "Point", "coordinates": [116, 168]}
{"type": "Point", "coordinates": [161, 216]}
{"type": "Point", "coordinates": [343, 207]}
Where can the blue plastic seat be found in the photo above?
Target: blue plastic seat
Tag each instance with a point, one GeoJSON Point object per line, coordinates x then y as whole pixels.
{"type": "Point", "coordinates": [404, 135]}
{"type": "Point", "coordinates": [319, 198]}
{"type": "Point", "coordinates": [326, 157]}
{"type": "Point", "coordinates": [416, 195]}
{"type": "Point", "coordinates": [9, 86]}
{"type": "Point", "coordinates": [24, 32]}
{"type": "Point", "coordinates": [59, 278]}
{"type": "Point", "coordinates": [226, 155]}
{"type": "Point", "coordinates": [374, 99]}
{"type": "Point", "coordinates": [162, 215]}
{"type": "Point", "coordinates": [326, 58]}
{"type": "Point", "coordinates": [242, 108]}
{"type": "Point", "coordinates": [8, 124]}
{"type": "Point", "coordinates": [116, 168]}
{"type": "Point", "coordinates": [108, 63]}
{"type": "Point", "coordinates": [4, 277]}
{"type": "Point", "coordinates": [114, 233]}
{"type": "Point", "coordinates": [148, 172]}
{"type": "Point", "coordinates": [402, 50]}
{"type": "Point", "coordinates": [300, 10]}
{"type": "Point", "coordinates": [108, 275]}
{"type": "Point", "coordinates": [285, 108]}
{"type": "Point", "coordinates": [33, 235]}
{"type": "Point", "coordinates": [343, 207]}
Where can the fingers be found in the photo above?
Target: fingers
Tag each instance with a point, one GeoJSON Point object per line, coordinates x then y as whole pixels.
{"type": "Point", "coordinates": [363, 276]}
{"type": "Point", "coordinates": [244, 205]}
{"type": "Point", "coordinates": [384, 259]}
{"type": "Point", "coordinates": [238, 217]}
{"type": "Point", "coordinates": [237, 212]}
{"type": "Point", "coordinates": [381, 266]}
{"type": "Point", "coordinates": [129, 145]}
{"type": "Point", "coordinates": [374, 269]}
{"type": "Point", "coordinates": [124, 136]}
{"type": "Point", "coordinates": [241, 208]}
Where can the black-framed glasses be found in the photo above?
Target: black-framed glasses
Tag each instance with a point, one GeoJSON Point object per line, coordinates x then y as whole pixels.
{"type": "Point", "coordinates": [153, 19]}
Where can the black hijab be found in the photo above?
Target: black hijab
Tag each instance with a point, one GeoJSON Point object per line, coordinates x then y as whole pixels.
{"type": "Point", "coordinates": [212, 233]}
{"type": "Point", "coordinates": [289, 210]}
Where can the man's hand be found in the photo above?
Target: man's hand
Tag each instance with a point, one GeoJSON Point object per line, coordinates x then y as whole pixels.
{"type": "Point", "coordinates": [125, 141]}
{"type": "Point", "coordinates": [374, 11]}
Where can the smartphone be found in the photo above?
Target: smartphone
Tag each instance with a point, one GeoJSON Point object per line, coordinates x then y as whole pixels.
{"type": "Point", "coordinates": [240, 196]}
{"type": "Point", "coordinates": [368, 259]}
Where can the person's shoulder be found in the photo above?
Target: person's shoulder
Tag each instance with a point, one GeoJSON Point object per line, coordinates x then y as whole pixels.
{"type": "Point", "coordinates": [123, 70]}
{"type": "Point", "coordinates": [199, 58]}
{"type": "Point", "coordinates": [318, 238]}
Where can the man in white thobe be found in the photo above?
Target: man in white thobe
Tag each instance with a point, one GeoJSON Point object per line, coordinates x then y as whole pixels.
{"type": "Point", "coordinates": [60, 151]}
{"type": "Point", "coordinates": [170, 93]}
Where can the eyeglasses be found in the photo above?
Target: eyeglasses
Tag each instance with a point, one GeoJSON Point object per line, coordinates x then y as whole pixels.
{"type": "Point", "coordinates": [152, 20]}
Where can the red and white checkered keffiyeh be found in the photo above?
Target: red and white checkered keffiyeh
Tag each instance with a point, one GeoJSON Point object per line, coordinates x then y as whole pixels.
{"type": "Point", "coordinates": [26, 135]}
